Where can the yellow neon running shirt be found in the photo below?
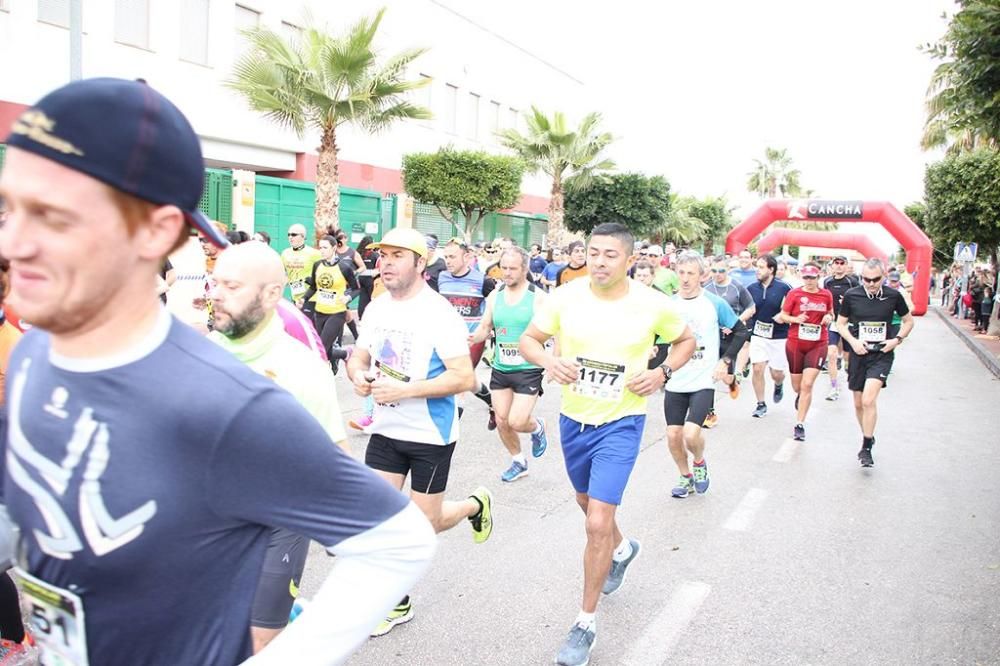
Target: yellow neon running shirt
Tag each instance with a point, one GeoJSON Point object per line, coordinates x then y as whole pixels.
{"type": "Point", "coordinates": [611, 340]}
{"type": "Point", "coordinates": [298, 266]}
{"type": "Point", "coordinates": [331, 285]}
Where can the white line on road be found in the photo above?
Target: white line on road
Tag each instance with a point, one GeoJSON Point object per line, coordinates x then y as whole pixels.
{"type": "Point", "coordinates": [742, 516]}
{"type": "Point", "coordinates": [787, 450]}
{"type": "Point", "coordinates": [660, 635]}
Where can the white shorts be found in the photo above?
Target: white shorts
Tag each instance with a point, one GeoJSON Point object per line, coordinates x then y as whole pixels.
{"type": "Point", "coordinates": [770, 351]}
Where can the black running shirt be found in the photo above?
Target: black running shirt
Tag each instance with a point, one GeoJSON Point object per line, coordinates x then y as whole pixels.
{"type": "Point", "coordinates": [838, 287]}
{"type": "Point", "coordinates": [873, 312]}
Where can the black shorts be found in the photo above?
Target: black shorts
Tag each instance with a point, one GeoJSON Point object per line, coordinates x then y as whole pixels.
{"type": "Point", "coordinates": [525, 382]}
{"type": "Point", "coordinates": [280, 576]}
{"type": "Point", "coordinates": [691, 407]}
{"type": "Point", "coordinates": [873, 365]}
{"type": "Point", "coordinates": [427, 464]}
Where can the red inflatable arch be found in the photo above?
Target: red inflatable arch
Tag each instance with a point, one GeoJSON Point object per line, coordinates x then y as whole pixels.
{"type": "Point", "coordinates": [800, 237]}
{"type": "Point", "coordinates": [916, 243]}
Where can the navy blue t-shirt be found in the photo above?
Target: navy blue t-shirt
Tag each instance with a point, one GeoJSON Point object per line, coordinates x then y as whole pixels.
{"type": "Point", "coordinates": [146, 486]}
{"type": "Point", "coordinates": [768, 301]}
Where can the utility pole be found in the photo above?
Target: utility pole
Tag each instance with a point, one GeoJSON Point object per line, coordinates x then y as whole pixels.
{"type": "Point", "coordinates": [75, 40]}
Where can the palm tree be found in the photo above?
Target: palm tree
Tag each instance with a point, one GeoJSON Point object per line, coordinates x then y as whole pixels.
{"type": "Point", "coordinates": [572, 158]}
{"type": "Point", "coordinates": [682, 229]}
{"type": "Point", "coordinates": [774, 174]}
{"type": "Point", "coordinates": [321, 81]}
{"type": "Point", "coordinates": [944, 127]}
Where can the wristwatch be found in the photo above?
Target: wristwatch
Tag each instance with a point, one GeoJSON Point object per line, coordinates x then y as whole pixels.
{"type": "Point", "coordinates": [667, 372]}
{"type": "Point", "coordinates": [900, 338]}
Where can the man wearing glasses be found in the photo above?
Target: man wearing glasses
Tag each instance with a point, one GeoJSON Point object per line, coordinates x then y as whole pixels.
{"type": "Point", "coordinates": [298, 260]}
{"type": "Point", "coordinates": [837, 284]}
{"type": "Point", "coordinates": [866, 324]}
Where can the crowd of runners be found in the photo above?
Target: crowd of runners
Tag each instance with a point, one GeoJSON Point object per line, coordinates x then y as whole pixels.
{"type": "Point", "coordinates": [146, 458]}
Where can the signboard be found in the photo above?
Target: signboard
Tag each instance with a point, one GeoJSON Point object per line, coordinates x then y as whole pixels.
{"type": "Point", "coordinates": [825, 210]}
{"type": "Point", "coordinates": [966, 252]}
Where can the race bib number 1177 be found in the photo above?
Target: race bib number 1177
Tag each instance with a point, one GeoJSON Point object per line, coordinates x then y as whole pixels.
{"type": "Point", "coordinates": [600, 380]}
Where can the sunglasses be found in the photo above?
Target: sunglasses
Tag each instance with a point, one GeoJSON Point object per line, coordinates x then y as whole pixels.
{"type": "Point", "coordinates": [839, 262]}
{"type": "Point", "coordinates": [718, 270]}
{"type": "Point", "coordinates": [293, 235]}
{"type": "Point", "coordinates": [872, 280]}
{"type": "Point", "coordinates": [810, 277]}
{"type": "Point", "coordinates": [459, 242]}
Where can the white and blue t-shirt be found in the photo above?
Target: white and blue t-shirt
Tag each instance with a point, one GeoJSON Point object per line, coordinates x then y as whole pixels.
{"type": "Point", "coordinates": [146, 487]}
{"type": "Point", "coordinates": [705, 314]}
{"type": "Point", "coordinates": [408, 341]}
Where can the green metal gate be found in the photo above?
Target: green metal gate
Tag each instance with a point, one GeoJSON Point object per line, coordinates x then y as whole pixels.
{"type": "Point", "coordinates": [217, 197]}
{"type": "Point", "coordinates": [524, 229]}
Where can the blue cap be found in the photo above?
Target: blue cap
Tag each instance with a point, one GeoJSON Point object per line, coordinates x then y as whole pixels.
{"type": "Point", "coordinates": [124, 134]}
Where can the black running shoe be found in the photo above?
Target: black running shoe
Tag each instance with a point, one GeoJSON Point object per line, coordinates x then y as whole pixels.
{"type": "Point", "coordinates": [799, 433]}
{"type": "Point", "coordinates": [865, 457]}
{"type": "Point", "coordinates": [779, 392]}
{"type": "Point", "coordinates": [492, 423]}
{"type": "Point", "coordinates": [760, 411]}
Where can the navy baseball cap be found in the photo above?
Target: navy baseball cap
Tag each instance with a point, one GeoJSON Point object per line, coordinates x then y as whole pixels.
{"type": "Point", "coordinates": [124, 134]}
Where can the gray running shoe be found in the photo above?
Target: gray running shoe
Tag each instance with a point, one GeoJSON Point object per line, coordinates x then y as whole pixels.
{"type": "Point", "coordinates": [616, 576]}
{"type": "Point", "coordinates": [576, 650]}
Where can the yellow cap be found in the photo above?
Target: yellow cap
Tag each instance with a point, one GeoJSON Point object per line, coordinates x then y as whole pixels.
{"type": "Point", "coordinates": [408, 239]}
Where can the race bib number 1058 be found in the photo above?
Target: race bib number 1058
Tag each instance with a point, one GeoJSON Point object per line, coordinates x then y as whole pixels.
{"type": "Point", "coordinates": [603, 381]}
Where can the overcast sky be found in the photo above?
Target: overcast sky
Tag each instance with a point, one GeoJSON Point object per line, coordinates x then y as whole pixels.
{"type": "Point", "coordinates": [695, 90]}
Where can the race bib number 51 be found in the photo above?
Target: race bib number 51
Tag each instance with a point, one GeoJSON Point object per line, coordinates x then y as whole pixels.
{"type": "Point", "coordinates": [57, 621]}
{"type": "Point", "coordinates": [603, 381]}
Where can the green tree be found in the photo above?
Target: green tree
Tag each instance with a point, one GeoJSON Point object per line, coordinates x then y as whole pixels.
{"type": "Point", "coordinates": [570, 157]}
{"type": "Point", "coordinates": [641, 203]}
{"type": "Point", "coordinates": [963, 99]}
{"type": "Point", "coordinates": [773, 175]}
{"type": "Point", "coordinates": [717, 216]}
{"type": "Point", "coordinates": [471, 182]}
{"type": "Point", "coordinates": [682, 227]}
{"type": "Point", "coordinates": [962, 195]}
{"type": "Point", "coordinates": [322, 81]}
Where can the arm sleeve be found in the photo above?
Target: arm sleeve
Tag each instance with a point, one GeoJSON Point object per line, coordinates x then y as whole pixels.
{"type": "Point", "coordinates": [736, 341]}
{"type": "Point", "coordinates": [489, 284]}
{"type": "Point", "coordinates": [353, 288]}
{"type": "Point", "coordinates": [845, 305]}
{"type": "Point", "coordinates": [311, 281]}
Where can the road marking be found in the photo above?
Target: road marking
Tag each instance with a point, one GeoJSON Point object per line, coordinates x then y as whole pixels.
{"type": "Point", "coordinates": [660, 635]}
{"type": "Point", "coordinates": [787, 450]}
{"type": "Point", "coordinates": [742, 516]}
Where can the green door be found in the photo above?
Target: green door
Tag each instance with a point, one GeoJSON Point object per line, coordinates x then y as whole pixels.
{"type": "Point", "coordinates": [217, 197]}
{"type": "Point", "coordinates": [279, 203]}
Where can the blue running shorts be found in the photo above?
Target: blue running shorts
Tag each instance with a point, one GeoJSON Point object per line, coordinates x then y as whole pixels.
{"type": "Point", "coordinates": [599, 459]}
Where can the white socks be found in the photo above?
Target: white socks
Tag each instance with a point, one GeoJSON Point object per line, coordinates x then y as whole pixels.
{"type": "Point", "coordinates": [623, 551]}
{"type": "Point", "coordinates": [520, 458]}
{"type": "Point", "coordinates": [587, 621]}
{"type": "Point", "coordinates": [538, 427]}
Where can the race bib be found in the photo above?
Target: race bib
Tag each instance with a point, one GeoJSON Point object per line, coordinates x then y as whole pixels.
{"type": "Point", "coordinates": [297, 287]}
{"type": "Point", "coordinates": [385, 370]}
{"type": "Point", "coordinates": [872, 331]}
{"type": "Point", "coordinates": [56, 620]}
{"type": "Point", "coordinates": [763, 330]}
{"type": "Point", "coordinates": [510, 354]}
{"type": "Point", "coordinates": [328, 298]}
{"type": "Point", "coordinates": [810, 332]}
{"type": "Point", "coordinates": [599, 380]}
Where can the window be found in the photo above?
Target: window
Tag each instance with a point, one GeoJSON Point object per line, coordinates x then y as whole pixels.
{"type": "Point", "coordinates": [513, 118]}
{"type": "Point", "coordinates": [55, 12]}
{"type": "Point", "coordinates": [473, 124]}
{"type": "Point", "coordinates": [132, 22]}
{"type": "Point", "coordinates": [450, 108]}
{"type": "Point", "coordinates": [494, 117]}
{"type": "Point", "coordinates": [422, 95]}
{"type": "Point", "coordinates": [291, 32]}
{"type": "Point", "coordinates": [194, 35]}
{"type": "Point", "coordinates": [246, 19]}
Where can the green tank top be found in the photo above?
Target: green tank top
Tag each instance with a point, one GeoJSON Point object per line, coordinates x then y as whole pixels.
{"type": "Point", "coordinates": [509, 322]}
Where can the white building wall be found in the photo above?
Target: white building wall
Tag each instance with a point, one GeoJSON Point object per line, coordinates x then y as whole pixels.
{"type": "Point", "coordinates": [35, 57]}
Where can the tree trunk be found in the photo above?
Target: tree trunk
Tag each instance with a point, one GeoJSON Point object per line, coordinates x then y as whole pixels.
{"type": "Point", "coordinates": [994, 326]}
{"type": "Point", "coordinates": [556, 231]}
{"type": "Point", "coordinates": [327, 185]}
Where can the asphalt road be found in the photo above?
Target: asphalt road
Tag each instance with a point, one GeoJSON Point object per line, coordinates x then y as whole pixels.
{"type": "Point", "coordinates": [795, 555]}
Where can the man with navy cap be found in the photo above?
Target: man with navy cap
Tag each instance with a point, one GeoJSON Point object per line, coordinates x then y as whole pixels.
{"type": "Point", "coordinates": [144, 465]}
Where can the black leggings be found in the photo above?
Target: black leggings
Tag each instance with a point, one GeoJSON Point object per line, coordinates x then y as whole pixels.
{"type": "Point", "coordinates": [11, 627]}
{"type": "Point", "coordinates": [331, 328]}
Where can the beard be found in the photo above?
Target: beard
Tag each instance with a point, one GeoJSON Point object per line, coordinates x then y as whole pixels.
{"type": "Point", "coordinates": [240, 324]}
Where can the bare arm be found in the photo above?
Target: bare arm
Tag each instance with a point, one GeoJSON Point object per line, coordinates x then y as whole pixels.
{"type": "Point", "coordinates": [648, 382]}
{"type": "Point", "coordinates": [486, 323]}
{"type": "Point", "coordinates": [532, 348]}
{"type": "Point", "coordinates": [845, 333]}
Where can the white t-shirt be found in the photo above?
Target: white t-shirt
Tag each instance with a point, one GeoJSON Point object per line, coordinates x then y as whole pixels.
{"type": "Point", "coordinates": [704, 315]}
{"type": "Point", "coordinates": [408, 341]}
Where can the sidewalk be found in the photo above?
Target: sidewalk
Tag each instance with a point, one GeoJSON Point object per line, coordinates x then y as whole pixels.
{"type": "Point", "coordinates": [986, 347]}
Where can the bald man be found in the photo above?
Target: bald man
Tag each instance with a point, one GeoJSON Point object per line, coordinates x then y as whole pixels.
{"type": "Point", "coordinates": [249, 281]}
{"type": "Point", "coordinates": [298, 260]}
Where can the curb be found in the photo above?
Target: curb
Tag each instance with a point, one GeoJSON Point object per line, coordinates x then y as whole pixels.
{"type": "Point", "coordinates": [991, 362]}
